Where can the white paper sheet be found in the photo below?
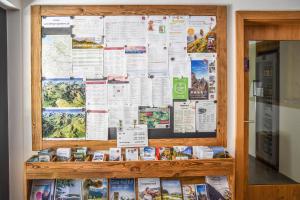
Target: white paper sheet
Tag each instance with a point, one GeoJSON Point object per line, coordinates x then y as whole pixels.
{"type": "Point", "coordinates": [157, 30]}
{"type": "Point", "coordinates": [88, 26]}
{"type": "Point", "coordinates": [125, 30]}
{"type": "Point", "coordinates": [158, 60]}
{"type": "Point", "coordinates": [133, 136]}
{"type": "Point", "coordinates": [184, 117]}
{"type": "Point", "coordinates": [96, 95]}
{"type": "Point", "coordinates": [130, 115]}
{"type": "Point", "coordinates": [140, 91]}
{"type": "Point", "coordinates": [56, 22]}
{"type": "Point", "coordinates": [205, 116]}
{"type": "Point", "coordinates": [161, 92]}
{"type": "Point", "coordinates": [57, 56]}
{"type": "Point", "coordinates": [87, 57]}
{"type": "Point", "coordinates": [114, 62]}
{"type": "Point", "coordinates": [136, 61]}
{"type": "Point", "coordinates": [115, 116]}
{"type": "Point", "coordinates": [97, 125]}
{"type": "Point", "coordinates": [177, 30]}
{"type": "Point", "coordinates": [146, 87]}
{"type": "Point", "coordinates": [118, 94]}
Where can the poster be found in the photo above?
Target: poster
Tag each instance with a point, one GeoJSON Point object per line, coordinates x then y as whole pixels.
{"type": "Point", "coordinates": [180, 88]}
{"type": "Point", "coordinates": [140, 91]}
{"type": "Point", "coordinates": [96, 95]}
{"type": "Point", "coordinates": [199, 78]}
{"type": "Point", "coordinates": [212, 79]}
{"type": "Point", "coordinates": [88, 27]}
{"type": "Point", "coordinates": [158, 60]}
{"type": "Point", "coordinates": [136, 61]}
{"type": "Point", "coordinates": [57, 56]}
{"type": "Point", "coordinates": [155, 118]}
{"type": "Point", "coordinates": [133, 136]}
{"type": "Point", "coordinates": [87, 58]}
{"type": "Point", "coordinates": [58, 124]}
{"type": "Point", "coordinates": [184, 117]}
{"type": "Point", "coordinates": [114, 61]}
{"type": "Point", "coordinates": [161, 92]}
{"type": "Point", "coordinates": [201, 34]}
{"type": "Point", "coordinates": [123, 115]}
{"type": "Point", "coordinates": [157, 30]}
{"type": "Point", "coordinates": [63, 93]}
{"type": "Point", "coordinates": [123, 31]}
{"type": "Point", "coordinates": [118, 93]}
{"type": "Point", "coordinates": [97, 125]}
{"type": "Point", "coordinates": [206, 116]}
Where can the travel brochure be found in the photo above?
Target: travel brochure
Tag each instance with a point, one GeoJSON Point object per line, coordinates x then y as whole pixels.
{"type": "Point", "coordinates": [125, 189]}
{"type": "Point", "coordinates": [129, 154]}
{"type": "Point", "coordinates": [84, 61]}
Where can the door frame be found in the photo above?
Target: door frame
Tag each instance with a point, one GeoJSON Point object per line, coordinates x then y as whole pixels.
{"type": "Point", "coordinates": [244, 18]}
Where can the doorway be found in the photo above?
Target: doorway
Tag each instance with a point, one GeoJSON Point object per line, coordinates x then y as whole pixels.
{"type": "Point", "coordinates": [267, 159]}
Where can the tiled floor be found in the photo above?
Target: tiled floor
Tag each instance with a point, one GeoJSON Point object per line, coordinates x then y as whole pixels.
{"type": "Point", "coordinates": [260, 173]}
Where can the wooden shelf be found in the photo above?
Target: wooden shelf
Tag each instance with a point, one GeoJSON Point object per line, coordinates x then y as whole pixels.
{"type": "Point", "coordinates": [129, 169]}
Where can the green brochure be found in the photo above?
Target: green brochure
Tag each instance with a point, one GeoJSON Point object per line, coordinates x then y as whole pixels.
{"type": "Point", "coordinates": [180, 88]}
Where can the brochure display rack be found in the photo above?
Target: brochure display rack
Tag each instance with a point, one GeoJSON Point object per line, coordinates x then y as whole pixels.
{"type": "Point", "coordinates": [212, 88]}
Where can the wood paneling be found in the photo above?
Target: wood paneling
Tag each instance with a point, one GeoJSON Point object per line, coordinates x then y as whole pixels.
{"type": "Point", "coordinates": [129, 169]}
{"type": "Point", "coordinates": [36, 77]}
{"type": "Point", "coordinates": [274, 192]}
{"type": "Point", "coordinates": [256, 25]}
{"type": "Point", "coordinates": [128, 10]}
{"type": "Point", "coordinates": [38, 11]}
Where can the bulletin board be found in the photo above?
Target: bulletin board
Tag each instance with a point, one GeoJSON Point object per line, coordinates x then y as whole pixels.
{"type": "Point", "coordinates": [157, 137]}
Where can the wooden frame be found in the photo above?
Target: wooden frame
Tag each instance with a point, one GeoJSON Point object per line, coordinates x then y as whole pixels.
{"type": "Point", "coordinates": [272, 24]}
{"type": "Point", "coordinates": [38, 11]}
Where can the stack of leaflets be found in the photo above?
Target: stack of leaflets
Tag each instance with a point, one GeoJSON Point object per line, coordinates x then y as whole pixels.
{"type": "Point", "coordinates": [122, 189]}
{"type": "Point", "coordinates": [68, 189]}
{"type": "Point", "coordinates": [189, 192]}
{"type": "Point", "coordinates": [149, 189]}
{"type": "Point", "coordinates": [95, 189]}
{"type": "Point", "coordinates": [147, 153]}
{"type": "Point", "coordinates": [115, 154]}
{"type": "Point", "coordinates": [164, 153]}
{"type": "Point", "coordinates": [63, 154]}
{"type": "Point", "coordinates": [202, 152]}
{"type": "Point", "coordinates": [46, 155]}
{"type": "Point", "coordinates": [220, 183]}
{"type": "Point", "coordinates": [80, 154]}
{"type": "Point", "coordinates": [171, 189]}
{"type": "Point", "coordinates": [42, 189]}
{"type": "Point", "coordinates": [182, 152]}
{"type": "Point", "coordinates": [132, 154]}
{"type": "Point", "coordinates": [201, 192]}
{"type": "Point", "coordinates": [100, 156]}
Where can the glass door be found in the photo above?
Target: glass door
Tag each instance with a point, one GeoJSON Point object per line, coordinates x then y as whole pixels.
{"type": "Point", "coordinates": [274, 112]}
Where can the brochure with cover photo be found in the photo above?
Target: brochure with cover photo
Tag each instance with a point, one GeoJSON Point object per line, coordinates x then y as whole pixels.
{"type": "Point", "coordinates": [122, 189]}
{"type": "Point", "coordinates": [182, 152]}
{"type": "Point", "coordinates": [149, 189]}
{"type": "Point", "coordinates": [189, 192]}
{"type": "Point", "coordinates": [95, 189]}
{"type": "Point", "coordinates": [201, 192]}
{"type": "Point", "coordinates": [68, 189]}
{"type": "Point", "coordinates": [42, 190]}
{"type": "Point", "coordinates": [171, 190]}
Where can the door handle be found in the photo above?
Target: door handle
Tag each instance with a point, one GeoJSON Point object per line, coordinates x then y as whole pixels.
{"type": "Point", "coordinates": [250, 121]}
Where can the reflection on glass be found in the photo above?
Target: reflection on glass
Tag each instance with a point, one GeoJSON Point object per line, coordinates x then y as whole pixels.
{"type": "Point", "coordinates": [274, 112]}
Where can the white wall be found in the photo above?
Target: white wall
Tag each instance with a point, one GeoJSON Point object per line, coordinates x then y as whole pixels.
{"type": "Point", "coordinates": [23, 148]}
